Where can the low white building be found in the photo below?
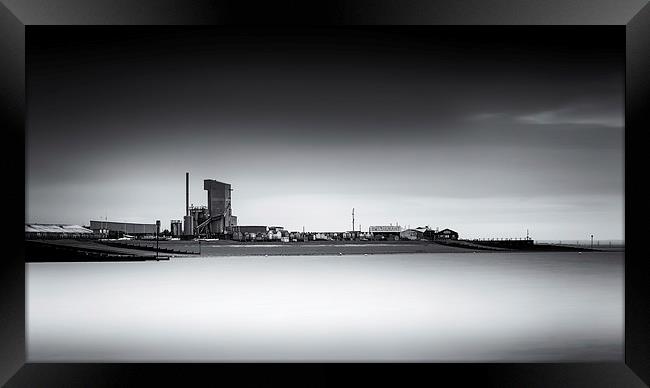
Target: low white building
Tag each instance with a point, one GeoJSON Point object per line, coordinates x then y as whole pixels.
{"type": "Point", "coordinates": [38, 231]}
{"type": "Point", "coordinates": [390, 232]}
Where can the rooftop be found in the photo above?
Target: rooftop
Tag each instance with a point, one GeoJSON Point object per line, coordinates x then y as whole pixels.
{"type": "Point", "coordinates": [55, 228]}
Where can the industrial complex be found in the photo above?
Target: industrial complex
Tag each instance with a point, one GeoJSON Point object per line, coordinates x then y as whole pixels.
{"type": "Point", "coordinates": [215, 220]}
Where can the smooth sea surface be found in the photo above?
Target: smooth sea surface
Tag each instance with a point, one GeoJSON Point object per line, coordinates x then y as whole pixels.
{"type": "Point", "coordinates": [438, 307]}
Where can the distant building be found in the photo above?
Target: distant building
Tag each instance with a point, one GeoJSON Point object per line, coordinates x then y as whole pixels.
{"type": "Point", "coordinates": [445, 234]}
{"type": "Point", "coordinates": [219, 206]}
{"type": "Point", "coordinates": [122, 228]}
{"type": "Point", "coordinates": [411, 234]}
{"type": "Point", "coordinates": [274, 234]}
{"type": "Point", "coordinates": [49, 231]}
{"type": "Point", "coordinates": [252, 229]}
{"type": "Point", "coordinates": [188, 226]}
{"type": "Point", "coordinates": [414, 234]}
{"type": "Point", "coordinates": [176, 227]}
{"type": "Point", "coordinates": [389, 232]}
{"type": "Point", "coordinates": [199, 215]}
{"type": "Point", "coordinates": [321, 236]}
{"type": "Point", "coordinates": [385, 229]}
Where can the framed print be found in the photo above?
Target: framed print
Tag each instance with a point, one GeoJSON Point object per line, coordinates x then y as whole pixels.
{"type": "Point", "coordinates": [365, 194]}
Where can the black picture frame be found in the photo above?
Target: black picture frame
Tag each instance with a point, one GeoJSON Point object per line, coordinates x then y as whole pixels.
{"type": "Point", "coordinates": [17, 15]}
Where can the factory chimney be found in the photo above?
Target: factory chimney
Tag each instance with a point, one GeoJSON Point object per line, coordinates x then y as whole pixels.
{"type": "Point", "coordinates": [188, 224]}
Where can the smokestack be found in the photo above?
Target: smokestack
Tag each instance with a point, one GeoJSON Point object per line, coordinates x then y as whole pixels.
{"type": "Point", "coordinates": [187, 193]}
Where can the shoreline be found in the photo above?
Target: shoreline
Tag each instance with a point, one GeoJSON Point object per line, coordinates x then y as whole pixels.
{"type": "Point", "coordinates": [133, 250]}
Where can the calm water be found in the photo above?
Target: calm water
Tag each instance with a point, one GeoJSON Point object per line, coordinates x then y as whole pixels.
{"type": "Point", "coordinates": [402, 307]}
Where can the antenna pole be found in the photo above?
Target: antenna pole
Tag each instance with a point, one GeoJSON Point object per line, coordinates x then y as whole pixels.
{"type": "Point", "coordinates": [353, 219]}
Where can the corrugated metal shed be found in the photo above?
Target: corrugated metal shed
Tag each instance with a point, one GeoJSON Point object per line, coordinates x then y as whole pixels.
{"type": "Point", "coordinates": [56, 228]}
{"type": "Point", "coordinates": [123, 227]}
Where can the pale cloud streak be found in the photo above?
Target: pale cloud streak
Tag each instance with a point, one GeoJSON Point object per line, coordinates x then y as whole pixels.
{"type": "Point", "coordinates": [575, 115]}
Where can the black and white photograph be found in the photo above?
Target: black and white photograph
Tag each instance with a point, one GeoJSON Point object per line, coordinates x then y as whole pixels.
{"type": "Point", "coordinates": [341, 193]}
{"type": "Point", "coordinates": [348, 194]}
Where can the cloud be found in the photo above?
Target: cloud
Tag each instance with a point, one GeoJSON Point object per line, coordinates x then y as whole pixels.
{"type": "Point", "coordinates": [593, 113]}
{"type": "Point", "coordinates": [577, 115]}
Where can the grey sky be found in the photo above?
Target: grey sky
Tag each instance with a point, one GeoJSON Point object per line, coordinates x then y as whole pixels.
{"type": "Point", "coordinates": [489, 134]}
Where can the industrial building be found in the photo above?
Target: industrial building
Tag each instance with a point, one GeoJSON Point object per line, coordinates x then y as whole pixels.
{"type": "Point", "coordinates": [252, 229]}
{"type": "Point", "coordinates": [413, 234]}
{"type": "Point", "coordinates": [113, 229]}
{"type": "Point", "coordinates": [176, 228]}
{"type": "Point", "coordinates": [199, 214]}
{"type": "Point", "coordinates": [389, 232]}
{"type": "Point", "coordinates": [219, 207]}
{"type": "Point", "coordinates": [216, 218]}
{"type": "Point", "coordinates": [53, 231]}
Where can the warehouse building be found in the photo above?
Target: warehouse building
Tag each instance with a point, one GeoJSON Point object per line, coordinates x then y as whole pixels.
{"type": "Point", "coordinates": [54, 231]}
{"type": "Point", "coordinates": [385, 232]}
{"type": "Point", "coordinates": [413, 234]}
{"type": "Point", "coordinates": [118, 229]}
{"type": "Point", "coordinates": [252, 229]}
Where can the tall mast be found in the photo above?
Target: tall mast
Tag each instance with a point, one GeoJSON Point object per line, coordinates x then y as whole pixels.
{"type": "Point", "coordinates": [187, 193]}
